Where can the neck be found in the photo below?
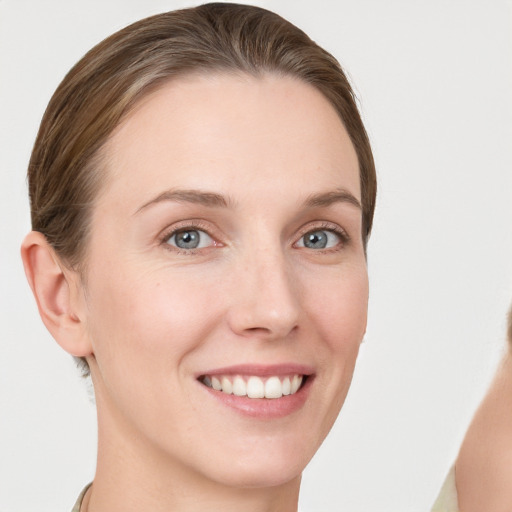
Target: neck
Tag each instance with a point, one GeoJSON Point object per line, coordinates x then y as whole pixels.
{"type": "Point", "coordinates": [133, 475]}
{"type": "Point", "coordinates": [484, 464]}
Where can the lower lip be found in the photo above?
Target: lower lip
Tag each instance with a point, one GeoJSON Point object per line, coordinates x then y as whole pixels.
{"type": "Point", "coordinates": [264, 408]}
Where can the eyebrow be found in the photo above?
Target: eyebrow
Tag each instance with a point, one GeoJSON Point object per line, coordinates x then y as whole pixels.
{"type": "Point", "coordinates": [210, 199]}
{"type": "Point", "coordinates": [325, 199]}
{"type": "Point", "coordinates": [213, 200]}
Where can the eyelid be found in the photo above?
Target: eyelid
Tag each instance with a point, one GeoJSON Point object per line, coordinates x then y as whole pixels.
{"type": "Point", "coordinates": [184, 225]}
{"type": "Point", "coordinates": [324, 226]}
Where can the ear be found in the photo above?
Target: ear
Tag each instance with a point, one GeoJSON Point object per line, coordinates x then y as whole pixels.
{"type": "Point", "coordinates": [58, 294]}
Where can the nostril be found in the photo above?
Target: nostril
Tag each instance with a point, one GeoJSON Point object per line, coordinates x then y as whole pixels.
{"type": "Point", "coordinates": [257, 330]}
{"type": "Point", "coordinates": [276, 331]}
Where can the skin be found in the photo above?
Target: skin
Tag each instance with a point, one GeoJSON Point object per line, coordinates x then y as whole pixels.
{"type": "Point", "coordinates": [483, 467]}
{"type": "Point", "coordinates": [150, 317]}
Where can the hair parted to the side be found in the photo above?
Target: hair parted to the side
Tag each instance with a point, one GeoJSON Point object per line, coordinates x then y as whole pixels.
{"type": "Point", "coordinates": [65, 170]}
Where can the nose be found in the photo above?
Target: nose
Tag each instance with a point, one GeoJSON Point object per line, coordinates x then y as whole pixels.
{"type": "Point", "coordinates": [265, 297]}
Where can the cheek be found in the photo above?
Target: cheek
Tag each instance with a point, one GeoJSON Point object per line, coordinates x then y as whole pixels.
{"type": "Point", "coordinates": [337, 308]}
{"type": "Point", "coordinates": [340, 307]}
{"type": "Point", "coordinates": [150, 319]}
{"type": "Point", "coordinates": [339, 315]}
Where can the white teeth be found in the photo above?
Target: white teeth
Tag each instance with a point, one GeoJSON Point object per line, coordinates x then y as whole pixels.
{"type": "Point", "coordinates": [227, 387]}
{"type": "Point", "coordinates": [296, 382]}
{"type": "Point", "coordinates": [239, 387]}
{"type": "Point", "coordinates": [287, 386]}
{"type": "Point", "coordinates": [253, 386]}
{"type": "Point", "coordinates": [273, 388]}
{"type": "Point", "coordinates": [216, 384]}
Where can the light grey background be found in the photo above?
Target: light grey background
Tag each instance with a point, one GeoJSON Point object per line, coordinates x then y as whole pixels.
{"type": "Point", "coordinates": [435, 84]}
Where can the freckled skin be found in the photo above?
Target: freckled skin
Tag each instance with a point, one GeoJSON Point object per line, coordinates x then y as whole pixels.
{"type": "Point", "coordinates": [157, 317]}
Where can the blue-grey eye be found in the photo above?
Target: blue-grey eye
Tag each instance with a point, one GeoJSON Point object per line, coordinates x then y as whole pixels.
{"type": "Point", "coordinates": [190, 239]}
{"type": "Point", "coordinates": [319, 239]}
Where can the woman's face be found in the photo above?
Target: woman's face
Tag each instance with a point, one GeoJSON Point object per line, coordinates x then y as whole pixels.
{"type": "Point", "coordinates": [226, 251]}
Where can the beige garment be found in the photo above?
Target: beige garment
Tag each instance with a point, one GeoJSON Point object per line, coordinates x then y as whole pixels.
{"type": "Point", "coordinates": [447, 499]}
{"type": "Point", "coordinates": [78, 503]}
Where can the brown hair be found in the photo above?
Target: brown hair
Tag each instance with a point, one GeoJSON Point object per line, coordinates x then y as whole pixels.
{"type": "Point", "coordinates": [64, 173]}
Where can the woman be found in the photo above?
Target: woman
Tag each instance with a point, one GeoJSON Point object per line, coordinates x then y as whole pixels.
{"type": "Point", "coordinates": [202, 191]}
{"type": "Point", "coordinates": [480, 478]}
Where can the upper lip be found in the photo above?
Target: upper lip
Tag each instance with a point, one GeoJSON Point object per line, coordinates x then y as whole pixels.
{"type": "Point", "coordinates": [261, 370]}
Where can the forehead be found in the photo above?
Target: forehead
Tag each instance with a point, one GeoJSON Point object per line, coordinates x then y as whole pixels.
{"type": "Point", "coordinates": [211, 131]}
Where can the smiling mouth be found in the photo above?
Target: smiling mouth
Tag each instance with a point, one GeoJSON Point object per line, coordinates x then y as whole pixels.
{"type": "Point", "coordinates": [253, 386]}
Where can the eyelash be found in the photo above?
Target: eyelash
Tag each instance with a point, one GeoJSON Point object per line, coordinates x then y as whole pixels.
{"type": "Point", "coordinates": [191, 225]}
{"type": "Point", "coordinates": [326, 226]}
{"type": "Point", "coordinates": [199, 226]}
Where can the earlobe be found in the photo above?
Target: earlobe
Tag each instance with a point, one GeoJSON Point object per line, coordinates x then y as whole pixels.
{"type": "Point", "coordinates": [53, 285]}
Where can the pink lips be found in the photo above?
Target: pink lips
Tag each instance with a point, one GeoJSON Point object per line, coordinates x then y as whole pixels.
{"type": "Point", "coordinates": [262, 408]}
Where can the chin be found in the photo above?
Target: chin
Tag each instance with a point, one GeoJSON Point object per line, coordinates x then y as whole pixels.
{"type": "Point", "coordinates": [262, 467]}
{"type": "Point", "coordinates": [250, 476]}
